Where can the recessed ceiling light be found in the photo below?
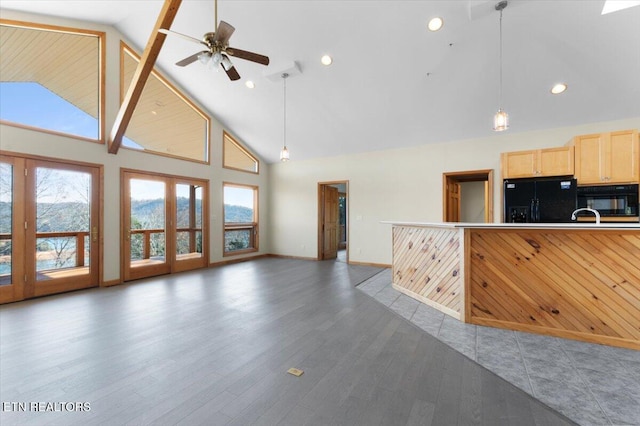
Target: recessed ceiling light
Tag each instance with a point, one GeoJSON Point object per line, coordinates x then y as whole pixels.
{"type": "Point", "coordinates": [435, 24]}
{"type": "Point", "coordinates": [326, 60]}
{"type": "Point", "coordinates": [558, 88]}
{"type": "Point", "coordinates": [250, 84]}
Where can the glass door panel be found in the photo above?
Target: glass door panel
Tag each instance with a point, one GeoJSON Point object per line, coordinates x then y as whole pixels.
{"type": "Point", "coordinates": [49, 227]}
{"type": "Point", "coordinates": [165, 224]}
{"type": "Point", "coordinates": [63, 223]}
{"type": "Point", "coordinates": [189, 248]}
{"type": "Point", "coordinates": [146, 230]}
{"type": "Point", "coordinates": [6, 223]}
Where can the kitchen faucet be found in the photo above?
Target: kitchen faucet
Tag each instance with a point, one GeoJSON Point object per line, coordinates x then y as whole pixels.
{"type": "Point", "coordinates": [595, 212]}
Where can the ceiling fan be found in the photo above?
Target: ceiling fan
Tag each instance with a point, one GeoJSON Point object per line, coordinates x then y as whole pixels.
{"type": "Point", "coordinates": [218, 51]}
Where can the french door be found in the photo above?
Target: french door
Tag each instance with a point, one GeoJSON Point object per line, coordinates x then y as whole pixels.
{"type": "Point", "coordinates": [164, 224]}
{"type": "Point", "coordinates": [49, 227]}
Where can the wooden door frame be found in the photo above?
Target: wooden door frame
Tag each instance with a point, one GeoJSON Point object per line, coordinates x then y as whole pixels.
{"type": "Point", "coordinates": [179, 265]}
{"type": "Point", "coordinates": [320, 233]}
{"type": "Point", "coordinates": [128, 273]}
{"type": "Point", "coordinates": [22, 212]}
{"type": "Point", "coordinates": [171, 265]}
{"type": "Point", "coordinates": [485, 175]}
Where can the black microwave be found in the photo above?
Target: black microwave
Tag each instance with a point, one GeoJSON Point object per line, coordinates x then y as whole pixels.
{"type": "Point", "coordinates": [610, 200]}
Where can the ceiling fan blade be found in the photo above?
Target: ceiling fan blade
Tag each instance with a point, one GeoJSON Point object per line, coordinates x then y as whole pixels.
{"type": "Point", "coordinates": [184, 36]}
{"type": "Point", "coordinates": [249, 56]}
{"type": "Point", "coordinates": [232, 73]}
{"type": "Point", "coordinates": [189, 59]}
{"type": "Point", "coordinates": [224, 33]}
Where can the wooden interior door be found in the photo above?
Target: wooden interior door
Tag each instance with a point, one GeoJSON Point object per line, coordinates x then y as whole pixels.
{"type": "Point", "coordinates": [331, 218]}
{"type": "Point", "coordinates": [453, 200]}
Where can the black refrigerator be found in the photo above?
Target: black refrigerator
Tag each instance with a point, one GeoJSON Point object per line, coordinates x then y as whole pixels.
{"type": "Point", "coordinates": [544, 200]}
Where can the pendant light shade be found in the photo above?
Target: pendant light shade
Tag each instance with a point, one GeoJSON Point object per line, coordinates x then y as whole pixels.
{"type": "Point", "coordinates": [284, 152]}
{"type": "Point", "coordinates": [501, 119]}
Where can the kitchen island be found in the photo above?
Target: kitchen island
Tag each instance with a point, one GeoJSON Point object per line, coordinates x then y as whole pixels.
{"type": "Point", "coordinates": [579, 281]}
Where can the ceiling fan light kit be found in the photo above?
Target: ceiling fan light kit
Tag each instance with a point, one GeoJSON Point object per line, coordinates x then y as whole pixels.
{"type": "Point", "coordinates": [218, 50]}
{"type": "Point", "coordinates": [501, 118]}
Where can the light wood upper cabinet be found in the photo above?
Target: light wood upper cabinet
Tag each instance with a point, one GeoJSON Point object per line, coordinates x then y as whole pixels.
{"type": "Point", "coordinates": [608, 158]}
{"type": "Point", "coordinates": [538, 163]}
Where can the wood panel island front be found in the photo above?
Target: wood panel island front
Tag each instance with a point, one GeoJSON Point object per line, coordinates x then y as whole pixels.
{"type": "Point", "coordinates": [565, 280]}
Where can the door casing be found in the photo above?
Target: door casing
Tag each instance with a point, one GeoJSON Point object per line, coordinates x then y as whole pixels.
{"type": "Point", "coordinates": [171, 264]}
{"type": "Point", "coordinates": [451, 190]}
{"type": "Point", "coordinates": [24, 285]}
{"type": "Point", "coordinates": [321, 206]}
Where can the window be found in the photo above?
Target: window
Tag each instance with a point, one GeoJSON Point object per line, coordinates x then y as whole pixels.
{"type": "Point", "coordinates": [237, 157]}
{"type": "Point", "coordinates": [51, 79]}
{"type": "Point", "coordinates": [164, 122]}
{"type": "Point", "coordinates": [240, 218]}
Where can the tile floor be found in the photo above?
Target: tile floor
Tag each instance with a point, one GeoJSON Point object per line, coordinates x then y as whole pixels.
{"type": "Point", "coordinates": [591, 384]}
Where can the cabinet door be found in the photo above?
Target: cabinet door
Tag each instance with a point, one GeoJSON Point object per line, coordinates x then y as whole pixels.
{"type": "Point", "coordinates": [556, 161]}
{"type": "Point", "coordinates": [623, 157]}
{"type": "Point", "coordinates": [519, 164]}
{"type": "Point", "coordinates": [588, 159]}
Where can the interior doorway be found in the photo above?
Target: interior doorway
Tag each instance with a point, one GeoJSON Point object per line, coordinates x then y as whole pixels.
{"type": "Point", "coordinates": [333, 228]}
{"type": "Point", "coordinates": [468, 196]}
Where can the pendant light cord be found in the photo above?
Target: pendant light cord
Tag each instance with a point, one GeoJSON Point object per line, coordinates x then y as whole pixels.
{"type": "Point", "coordinates": [500, 91]}
{"type": "Point", "coordinates": [284, 129]}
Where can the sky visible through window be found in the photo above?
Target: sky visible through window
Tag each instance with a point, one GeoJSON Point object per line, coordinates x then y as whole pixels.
{"type": "Point", "coordinates": [34, 105]}
{"type": "Point", "coordinates": [238, 196]}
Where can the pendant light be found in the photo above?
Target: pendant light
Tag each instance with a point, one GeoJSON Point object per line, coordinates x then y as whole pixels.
{"type": "Point", "coordinates": [501, 119]}
{"type": "Point", "coordinates": [284, 153]}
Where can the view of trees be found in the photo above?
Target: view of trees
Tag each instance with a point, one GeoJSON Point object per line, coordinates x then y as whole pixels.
{"type": "Point", "coordinates": [63, 205]}
{"type": "Point", "coordinates": [237, 239]}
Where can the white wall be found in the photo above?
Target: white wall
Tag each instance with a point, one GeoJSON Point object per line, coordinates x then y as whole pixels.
{"type": "Point", "coordinates": [17, 140]}
{"type": "Point", "coordinates": [472, 202]}
{"type": "Point", "coordinates": [394, 185]}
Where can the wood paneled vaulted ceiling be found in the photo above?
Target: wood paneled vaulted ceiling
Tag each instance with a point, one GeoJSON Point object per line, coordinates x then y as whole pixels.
{"type": "Point", "coordinates": [392, 82]}
{"type": "Point", "coordinates": [164, 121]}
{"type": "Point", "coordinates": [66, 64]}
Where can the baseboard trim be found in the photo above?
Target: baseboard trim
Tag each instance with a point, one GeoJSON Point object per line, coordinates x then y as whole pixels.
{"type": "Point", "coordinates": [375, 265]}
{"type": "Point", "coordinates": [111, 283]}
{"type": "Point", "coordinates": [238, 260]}
{"type": "Point", "coordinates": [282, 256]}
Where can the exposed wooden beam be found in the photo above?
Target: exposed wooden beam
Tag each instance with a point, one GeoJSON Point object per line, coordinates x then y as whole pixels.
{"type": "Point", "coordinates": [145, 66]}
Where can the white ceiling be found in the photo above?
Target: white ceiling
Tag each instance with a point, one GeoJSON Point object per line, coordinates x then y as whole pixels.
{"type": "Point", "coordinates": [393, 83]}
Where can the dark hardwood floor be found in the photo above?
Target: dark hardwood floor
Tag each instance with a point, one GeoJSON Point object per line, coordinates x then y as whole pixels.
{"type": "Point", "coordinates": [213, 346]}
